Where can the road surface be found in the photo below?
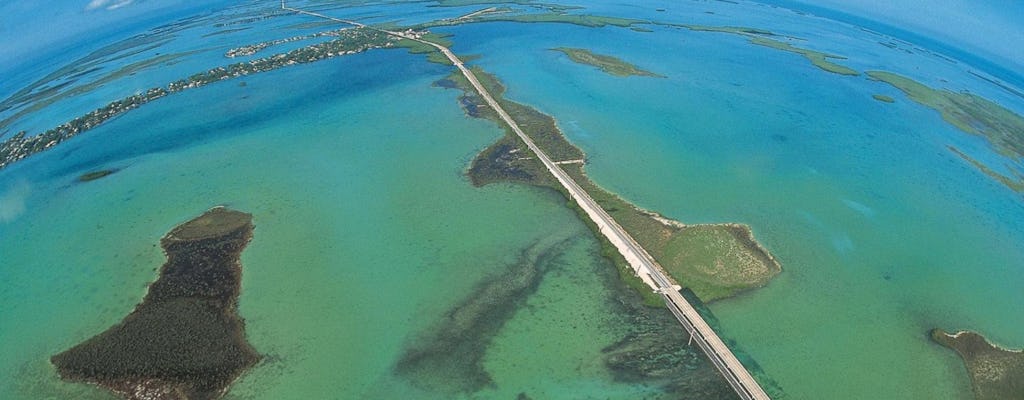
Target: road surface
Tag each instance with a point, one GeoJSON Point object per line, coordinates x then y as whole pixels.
{"type": "Point", "coordinates": [639, 259]}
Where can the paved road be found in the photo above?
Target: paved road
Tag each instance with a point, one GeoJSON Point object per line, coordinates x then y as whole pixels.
{"type": "Point", "coordinates": [639, 259]}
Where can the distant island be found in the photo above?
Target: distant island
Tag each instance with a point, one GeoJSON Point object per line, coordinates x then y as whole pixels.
{"type": "Point", "coordinates": [185, 340]}
{"type": "Point", "coordinates": [608, 64]}
{"type": "Point", "coordinates": [973, 114]}
{"type": "Point", "coordinates": [349, 41]}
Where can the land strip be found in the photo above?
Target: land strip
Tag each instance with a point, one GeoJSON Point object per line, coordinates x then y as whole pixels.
{"type": "Point", "coordinates": [643, 263]}
{"type": "Point", "coordinates": [349, 41]}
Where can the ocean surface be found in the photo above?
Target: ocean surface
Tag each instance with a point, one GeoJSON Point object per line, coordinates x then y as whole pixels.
{"type": "Point", "coordinates": [368, 233]}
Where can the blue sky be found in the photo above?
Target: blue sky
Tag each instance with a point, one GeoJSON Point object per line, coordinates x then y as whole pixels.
{"type": "Point", "coordinates": [990, 29]}
{"type": "Point", "coordinates": [30, 29]}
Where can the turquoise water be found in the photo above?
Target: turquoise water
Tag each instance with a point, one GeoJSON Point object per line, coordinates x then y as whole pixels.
{"type": "Point", "coordinates": [883, 233]}
{"type": "Point", "coordinates": [353, 170]}
{"type": "Point", "coordinates": [362, 214]}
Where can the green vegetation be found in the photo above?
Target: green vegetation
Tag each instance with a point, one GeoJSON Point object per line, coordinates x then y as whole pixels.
{"type": "Point", "coordinates": [449, 356]}
{"type": "Point", "coordinates": [756, 36]}
{"type": "Point", "coordinates": [433, 54]}
{"type": "Point", "coordinates": [718, 260]}
{"type": "Point", "coordinates": [996, 373]}
{"type": "Point", "coordinates": [608, 64]}
{"type": "Point", "coordinates": [1016, 184]}
{"type": "Point", "coordinates": [973, 114]}
{"type": "Point", "coordinates": [760, 37]}
{"type": "Point", "coordinates": [350, 41]}
{"type": "Point", "coordinates": [185, 338]}
{"type": "Point", "coordinates": [509, 159]}
{"type": "Point", "coordinates": [124, 71]}
{"type": "Point", "coordinates": [819, 59]}
{"type": "Point", "coordinates": [225, 31]}
{"type": "Point", "coordinates": [91, 176]}
{"type": "Point", "coordinates": [546, 6]}
{"type": "Point", "coordinates": [969, 112]}
{"type": "Point", "coordinates": [461, 3]}
{"type": "Point", "coordinates": [715, 261]}
{"type": "Point", "coordinates": [736, 30]}
{"type": "Point", "coordinates": [557, 16]}
{"type": "Point", "coordinates": [883, 98]}
{"type": "Point", "coordinates": [590, 21]}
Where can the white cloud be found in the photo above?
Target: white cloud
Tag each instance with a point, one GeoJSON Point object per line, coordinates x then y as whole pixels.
{"type": "Point", "coordinates": [107, 4]}
{"type": "Point", "coordinates": [12, 202]}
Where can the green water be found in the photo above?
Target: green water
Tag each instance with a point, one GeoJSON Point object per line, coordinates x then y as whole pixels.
{"type": "Point", "coordinates": [367, 234]}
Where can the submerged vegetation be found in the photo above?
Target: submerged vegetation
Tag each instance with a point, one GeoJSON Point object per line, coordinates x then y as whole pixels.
{"type": "Point", "coordinates": [727, 262]}
{"type": "Point", "coordinates": [608, 64]}
{"type": "Point", "coordinates": [765, 38]}
{"type": "Point", "coordinates": [349, 41]}
{"type": "Point", "coordinates": [652, 353]}
{"type": "Point", "coordinates": [996, 373]}
{"type": "Point", "coordinates": [819, 59]}
{"type": "Point", "coordinates": [449, 357]}
{"type": "Point", "coordinates": [972, 114]}
{"type": "Point", "coordinates": [966, 111]}
{"type": "Point", "coordinates": [1016, 182]}
{"type": "Point", "coordinates": [883, 98]}
{"type": "Point", "coordinates": [94, 175]}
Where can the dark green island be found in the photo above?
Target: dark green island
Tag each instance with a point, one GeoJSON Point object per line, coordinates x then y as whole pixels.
{"type": "Point", "coordinates": [883, 98]}
{"type": "Point", "coordinates": [94, 175]}
{"type": "Point", "coordinates": [185, 340]}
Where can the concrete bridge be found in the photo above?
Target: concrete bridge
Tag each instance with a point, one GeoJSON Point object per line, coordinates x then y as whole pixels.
{"type": "Point", "coordinates": [640, 260]}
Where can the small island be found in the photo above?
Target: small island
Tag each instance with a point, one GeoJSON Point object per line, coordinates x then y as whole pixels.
{"type": "Point", "coordinates": [608, 64]}
{"type": "Point", "coordinates": [185, 340]}
{"type": "Point", "coordinates": [972, 114]}
{"type": "Point", "coordinates": [94, 175]}
{"type": "Point", "coordinates": [996, 373]}
{"type": "Point", "coordinates": [715, 261]}
{"type": "Point", "coordinates": [348, 41]}
{"type": "Point", "coordinates": [883, 98]}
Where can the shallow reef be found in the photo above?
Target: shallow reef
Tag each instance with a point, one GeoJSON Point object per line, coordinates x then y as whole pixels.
{"type": "Point", "coordinates": [448, 358]}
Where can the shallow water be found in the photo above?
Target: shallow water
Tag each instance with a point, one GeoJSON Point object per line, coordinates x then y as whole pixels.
{"type": "Point", "coordinates": [353, 170]}
{"type": "Point", "coordinates": [883, 234]}
{"type": "Point", "coordinates": [362, 214]}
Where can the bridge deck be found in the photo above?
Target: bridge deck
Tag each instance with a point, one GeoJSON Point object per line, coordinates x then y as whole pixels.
{"type": "Point", "coordinates": [643, 263]}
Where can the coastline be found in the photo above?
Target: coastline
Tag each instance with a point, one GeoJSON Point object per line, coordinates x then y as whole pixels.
{"type": "Point", "coordinates": [996, 372]}
{"type": "Point", "coordinates": [185, 338]}
{"type": "Point", "coordinates": [749, 264]}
